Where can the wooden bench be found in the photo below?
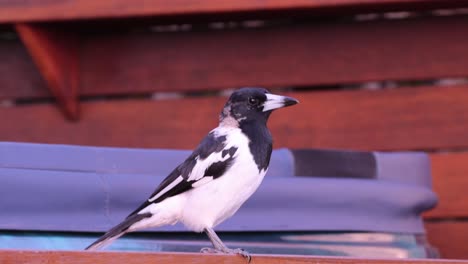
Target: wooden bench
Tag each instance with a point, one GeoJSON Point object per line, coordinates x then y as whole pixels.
{"type": "Point", "coordinates": [374, 75]}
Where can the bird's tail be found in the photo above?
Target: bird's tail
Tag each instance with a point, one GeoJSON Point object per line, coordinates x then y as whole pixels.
{"type": "Point", "coordinates": [117, 231]}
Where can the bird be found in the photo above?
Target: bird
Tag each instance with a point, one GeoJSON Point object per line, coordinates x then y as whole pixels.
{"type": "Point", "coordinates": [223, 171]}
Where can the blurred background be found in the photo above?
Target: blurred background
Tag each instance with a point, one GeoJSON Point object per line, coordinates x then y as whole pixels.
{"type": "Point", "coordinates": [388, 75]}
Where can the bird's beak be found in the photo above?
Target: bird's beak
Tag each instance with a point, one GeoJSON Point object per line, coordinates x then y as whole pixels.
{"type": "Point", "coordinates": [277, 101]}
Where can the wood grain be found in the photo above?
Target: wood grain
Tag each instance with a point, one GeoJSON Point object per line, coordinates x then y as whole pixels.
{"type": "Point", "coordinates": [56, 56]}
{"type": "Point", "coordinates": [450, 237]}
{"type": "Point", "coordinates": [320, 53]}
{"type": "Point", "coordinates": [26, 11]}
{"type": "Point", "coordinates": [423, 118]}
{"type": "Point", "coordinates": [450, 180]}
{"type": "Point", "coordinates": [39, 257]}
{"type": "Point", "coordinates": [19, 77]}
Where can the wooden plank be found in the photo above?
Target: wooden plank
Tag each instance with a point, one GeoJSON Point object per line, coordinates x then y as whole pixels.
{"type": "Point", "coordinates": [450, 238]}
{"type": "Point", "coordinates": [323, 53]}
{"type": "Point", "coordinates": [56, 55]}
{"type": "Point", "coordinates": [450, 179]}
{"type": "Point", "coordinates": [320, 53]}
{"type": "Point", "coordinates": [423, 118]}
{"type": "Point", "coordinates": [33, 257]}
{"type": "Point", "coordinates": [19, 77]}
{"type": "Point", "coordinates": [14, 11]}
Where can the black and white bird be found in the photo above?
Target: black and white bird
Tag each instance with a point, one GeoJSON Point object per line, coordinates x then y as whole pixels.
{"type": "Point", "coordinates": [217, 178]}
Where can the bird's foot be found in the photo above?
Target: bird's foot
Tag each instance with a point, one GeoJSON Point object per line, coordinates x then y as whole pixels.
{"type": "Point", "coordinates": [237, 251]}
{"type": "Point", "coordinates": [240, 251]}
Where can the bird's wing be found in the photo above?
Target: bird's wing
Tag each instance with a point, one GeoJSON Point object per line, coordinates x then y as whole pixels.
{"type": "Point", "coordinates": [207, 162]}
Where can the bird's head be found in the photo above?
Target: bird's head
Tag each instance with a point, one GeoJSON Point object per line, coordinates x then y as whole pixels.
{"type": "Point", "coordinates": [252, 104]}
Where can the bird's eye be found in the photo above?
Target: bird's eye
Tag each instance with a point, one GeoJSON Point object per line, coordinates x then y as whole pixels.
{"type": "Point", "coordinates": [253, 101]}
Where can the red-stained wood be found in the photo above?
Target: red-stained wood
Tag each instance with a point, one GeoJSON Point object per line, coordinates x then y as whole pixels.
{"type": "Point", "coordinates": [19, 77]}
{"type": "Point", "coordinates": [424, 118]}
{"type": "Point", "coordinates": [450, 180]}
{"type": "Point", "coordinates": [56, 56]}
{"type": "Point", "coordinates": [320, 53]}
{"type": "Point", "coordinates": [28, 11]}
{"type": "Point", "coordinates": [39, 257]}
{"type": "Point", "coordinates": [449, 237]}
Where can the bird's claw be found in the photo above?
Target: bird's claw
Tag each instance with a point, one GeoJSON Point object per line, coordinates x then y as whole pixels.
{"type": "Point", "coordinates": [237, 251]}
{"type": "Point", "coordinates": [244, 253]}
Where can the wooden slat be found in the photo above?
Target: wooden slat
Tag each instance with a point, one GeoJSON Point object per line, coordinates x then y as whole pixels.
{"type": "Point", "coordinates": [36, 257]}
{"type": "Point", "coordinates": [19, 77]}
{"type": "Point", "coordinates": [400, 119]}
{"type": "Point", "coordinates": [450, 238]}
{"type": "Point", "coordinates": [450, 179]}
{"type": "Point", "coordinates": [56, 56]}
{"type": "Point", "coordinates": [27, 11]}
{"type": "Point", "coordinates": [302, 55]}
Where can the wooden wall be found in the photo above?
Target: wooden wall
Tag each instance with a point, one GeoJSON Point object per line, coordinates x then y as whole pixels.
{"type": "Point", "coordinates": [380, 81]}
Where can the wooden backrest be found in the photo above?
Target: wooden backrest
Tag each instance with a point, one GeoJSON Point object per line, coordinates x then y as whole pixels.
{"type": "Point", "coordinates": [368, 75]}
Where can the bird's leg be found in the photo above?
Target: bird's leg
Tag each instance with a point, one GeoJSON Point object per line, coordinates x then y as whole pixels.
{"type": "Point", "coordinates": [216, 241]}
{"type": "Point", "coordinates": [219, 246]}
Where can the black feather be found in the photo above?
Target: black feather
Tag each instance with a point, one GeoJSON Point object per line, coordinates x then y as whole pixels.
{"type": "Point", "coordinates": [261, 143]}
{"type": "Point", "coordinates": [252, 121]}
{"type": "Point", "coordinates": [231, 151]}
{"type": "Point", "coordinates": [120, 229]}
{"type": "Point", "coordinates": [217, 169]}
{"type": "Point", "coordinates": [209, 145]}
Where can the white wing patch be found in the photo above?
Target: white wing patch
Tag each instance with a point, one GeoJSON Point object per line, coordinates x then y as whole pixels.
{"type": "Point", "coordinates": [202, 181]}
{"type": "Point", "coordinates": [235, 138]}
{"type": "Point", "coordinates": [165, 190]}
{"type": "Point", "coordinates": [203, 164]}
